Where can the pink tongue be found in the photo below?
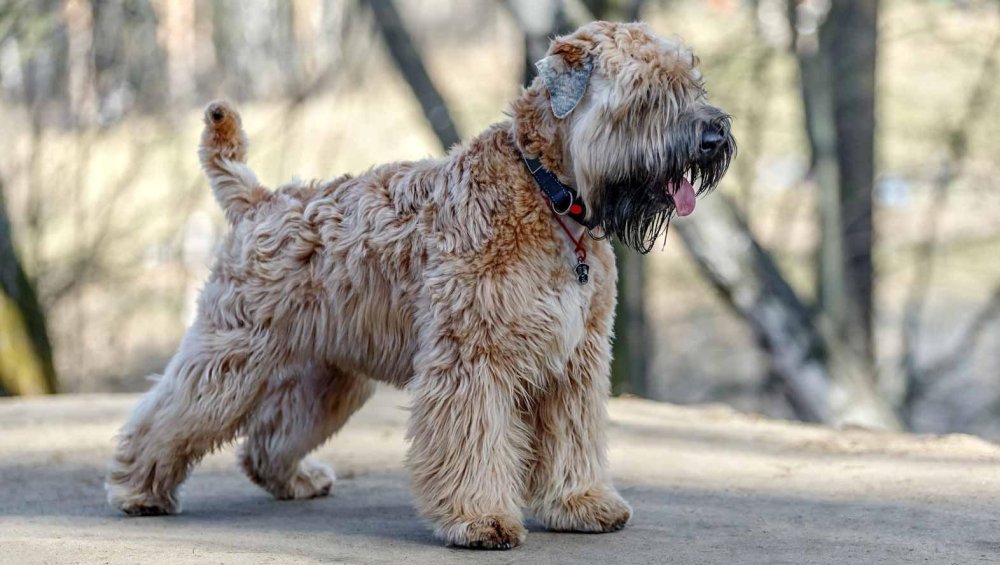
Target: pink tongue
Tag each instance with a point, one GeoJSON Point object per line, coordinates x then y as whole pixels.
{"type": "Point", "coordinates": [684, 199]}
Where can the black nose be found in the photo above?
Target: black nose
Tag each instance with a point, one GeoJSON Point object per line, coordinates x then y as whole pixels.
{"type": "Point", "coordinates": [711, 139]}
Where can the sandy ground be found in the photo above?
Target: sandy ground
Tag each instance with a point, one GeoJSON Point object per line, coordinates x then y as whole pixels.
{"type": "Point", "coordinates": [708, 486]}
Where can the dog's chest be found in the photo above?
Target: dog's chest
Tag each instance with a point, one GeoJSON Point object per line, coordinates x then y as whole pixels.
{"type": "Point", "coordinates": [584, 306]}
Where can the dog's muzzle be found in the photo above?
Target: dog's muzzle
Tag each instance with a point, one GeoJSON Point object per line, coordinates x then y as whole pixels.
{"type": "Point", "coordinates": [712, 138]}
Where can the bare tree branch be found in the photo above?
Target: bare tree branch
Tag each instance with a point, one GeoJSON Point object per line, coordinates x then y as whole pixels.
{"type": "Point", "coordinates": [409, 62]}
{"type": "Point", "coordinates": [969, 340]}
{"type": "Point", "coordinates": [86, 263]}
{"type": "Point", "coordinates": [825, 380]}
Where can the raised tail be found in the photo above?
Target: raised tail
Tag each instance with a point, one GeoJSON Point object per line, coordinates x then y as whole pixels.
{"type": "Point", "coordinates": [223, 153]}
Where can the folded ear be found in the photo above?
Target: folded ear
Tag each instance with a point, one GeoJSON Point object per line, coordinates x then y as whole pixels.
{"type": "Point", "coordinates": [566, 72]}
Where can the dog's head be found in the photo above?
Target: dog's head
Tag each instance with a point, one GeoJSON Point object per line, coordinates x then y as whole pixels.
{"type": "Point", "coordinates": [623, 115]}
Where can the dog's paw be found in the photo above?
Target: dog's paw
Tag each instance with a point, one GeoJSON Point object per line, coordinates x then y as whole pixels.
{"type": "Point", "coordinates": [139, 503]}
{"type": "Point", "coordinates": [486, 532]}
{"type": "Point", "coordinates": [311, 480]}
{"type": "Point", "coordinates": [597, 510]}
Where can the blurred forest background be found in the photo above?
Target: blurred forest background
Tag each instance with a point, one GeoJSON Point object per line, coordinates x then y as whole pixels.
{"type": "Point", "coordinates": [846, 272]}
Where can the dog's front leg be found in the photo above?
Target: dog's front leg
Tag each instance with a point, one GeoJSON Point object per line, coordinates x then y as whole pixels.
{"type": "Point", "coordinates": [468, 445]}
{"type": "Point", "coordinates": [569, 487]}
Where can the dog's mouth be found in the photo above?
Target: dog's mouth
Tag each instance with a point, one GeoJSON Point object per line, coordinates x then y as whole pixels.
{"type": "Point", "coordinates": [700, 176]}
{"type": "Point", "coordinates": [636, 206]}
{"type": "Point", "coordinates": [683, 195]}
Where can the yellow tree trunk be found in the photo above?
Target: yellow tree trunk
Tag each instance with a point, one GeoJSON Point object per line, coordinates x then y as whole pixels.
{"type": "Point", "coordinates": [21, 372]}
{"type": "Point", "coordinates": [25, 352]}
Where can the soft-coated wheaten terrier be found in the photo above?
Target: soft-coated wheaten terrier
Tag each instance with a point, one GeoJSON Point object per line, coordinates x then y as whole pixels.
{"type": "Point", "coordinates": [467, 279]}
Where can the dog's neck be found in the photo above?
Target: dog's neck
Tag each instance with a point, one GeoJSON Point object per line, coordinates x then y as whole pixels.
{"type": "Point", "coordinates": [564, 199]}
{"type": "Point", "coordinates": [538, 134]}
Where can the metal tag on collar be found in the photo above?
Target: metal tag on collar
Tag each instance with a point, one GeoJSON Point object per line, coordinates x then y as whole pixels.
{"type": "Point", "coordinates": [582, 271]}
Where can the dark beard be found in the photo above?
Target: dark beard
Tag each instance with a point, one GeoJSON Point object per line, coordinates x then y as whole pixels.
{"type": "Point", "coordinates": [635, 210]}
{"type": "Point", "coordinates": [637, 207]}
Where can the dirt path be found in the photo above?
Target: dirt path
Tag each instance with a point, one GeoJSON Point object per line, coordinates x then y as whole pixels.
{"type": "Point", "coordinates": [708, 486]}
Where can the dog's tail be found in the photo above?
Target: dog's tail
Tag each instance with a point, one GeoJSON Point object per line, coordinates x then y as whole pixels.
{"type": "Point", "coordinates": [223, 153]}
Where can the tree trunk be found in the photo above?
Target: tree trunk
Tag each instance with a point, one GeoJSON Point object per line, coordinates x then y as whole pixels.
{"type": "Point", "coordinates": [127, 58]}
{"type": "Point", "coordinates": [837, 72]}
{"type": "Point", "coordinates": [230, 54]}
{"type": "Point", "coordinates": [852, 44]}
{"type": "Point", "coordinates": [539, 21]}
{"type": "Point", "coordinates": [178, 24]}
{"type": "Point", "coordinates": [630, 361]}
{"type": "Point", "coordinates": [44, 61]}
{"type": "Point", "coordinates": [824, 381]}
{"type": "Point", "coordinates": [411, 65]}
{"type": "Point", "coordinates": [25, 353]}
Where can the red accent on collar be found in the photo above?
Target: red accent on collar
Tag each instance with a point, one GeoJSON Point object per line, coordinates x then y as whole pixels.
{"type": "Point", "coordinates": [565, 200]}
{"type": "Point", "coordinates": [578, 248]}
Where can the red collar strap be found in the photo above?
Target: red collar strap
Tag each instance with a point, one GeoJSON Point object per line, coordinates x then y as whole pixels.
{"type": "Point", "coordinates": [564, 201]}
{"type": "Point", "coordinates": [582, 268]}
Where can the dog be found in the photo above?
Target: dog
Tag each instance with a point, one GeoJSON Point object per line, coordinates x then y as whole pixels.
{"type": "Point", "coordinates": [482, 282]}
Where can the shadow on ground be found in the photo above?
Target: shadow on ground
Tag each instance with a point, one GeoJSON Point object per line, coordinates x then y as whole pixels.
{"type": "Point", "coordinates": [708, 486]}
{"type": "Point", "coordinates": [370, 520]}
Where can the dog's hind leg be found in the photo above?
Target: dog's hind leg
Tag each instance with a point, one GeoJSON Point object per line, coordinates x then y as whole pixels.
{"type": "Point", "coordinates": [294, 417]}
{"type": "Point", "coordinates": [201, 402]}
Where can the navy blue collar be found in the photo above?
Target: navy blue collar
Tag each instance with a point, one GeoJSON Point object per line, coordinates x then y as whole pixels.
{"type": "Point", "coordinates": [565, 200]}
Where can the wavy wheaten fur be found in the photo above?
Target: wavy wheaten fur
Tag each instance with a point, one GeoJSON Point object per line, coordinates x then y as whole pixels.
{"type": "Point", "coordinates": [448, 277]}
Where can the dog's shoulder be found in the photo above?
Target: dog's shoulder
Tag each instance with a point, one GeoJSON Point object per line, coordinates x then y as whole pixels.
{"type": "Point", "coordinates": [489, 199]}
